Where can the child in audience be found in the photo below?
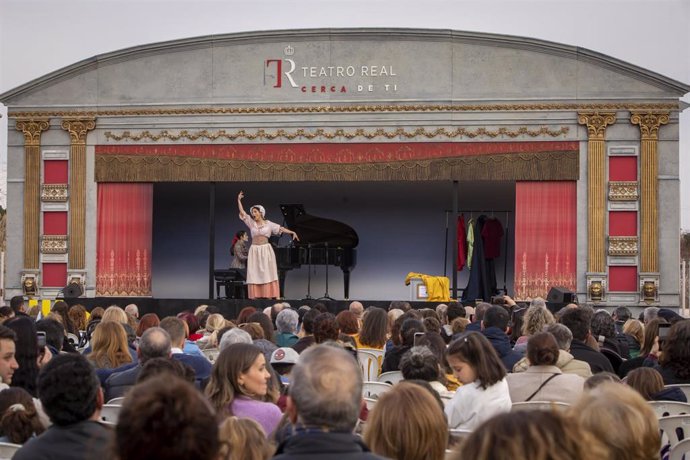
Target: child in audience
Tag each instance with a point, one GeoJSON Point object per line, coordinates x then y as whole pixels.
{"type": "Point", "coordinates": [243, 439]}
{"type": "Point", "coordinates": [649, 383]}
{"type": "Point", "coordinates": [19, 419]}
{"type": "Point", "coordinates": [484, 392]}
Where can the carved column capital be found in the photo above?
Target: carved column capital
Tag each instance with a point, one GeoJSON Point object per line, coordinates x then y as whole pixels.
{"type": "Point", "coordinates": [649, 123]}
{"type": "Point", "coordinates": [596, 122]}
{"type": "Point", "coordinates": [32, 129]}
{"type": "Point", "coordinates": [78, 128]}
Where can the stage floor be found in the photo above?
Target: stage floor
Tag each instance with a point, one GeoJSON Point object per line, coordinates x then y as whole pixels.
{"type": "Point", "coordinates": [230, 308]}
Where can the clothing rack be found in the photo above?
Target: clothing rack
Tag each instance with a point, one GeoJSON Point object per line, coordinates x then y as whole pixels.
{"type": "Point", "coordinates": [479, 212]}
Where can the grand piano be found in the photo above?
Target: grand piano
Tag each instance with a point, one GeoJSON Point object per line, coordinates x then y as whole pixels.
{"type": "Point", "coordinates": [322, 242]}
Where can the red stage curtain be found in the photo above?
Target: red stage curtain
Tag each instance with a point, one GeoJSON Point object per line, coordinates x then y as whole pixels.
{"type": "Point", "coordinates": [123, 258]}
{"type": "Point", "coordinates": [545, 237]}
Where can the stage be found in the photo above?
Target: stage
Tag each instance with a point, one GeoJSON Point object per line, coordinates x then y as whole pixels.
{"type": "Point", "coordinates": [229, 308]}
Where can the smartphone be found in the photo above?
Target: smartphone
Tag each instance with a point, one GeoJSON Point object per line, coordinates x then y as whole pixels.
{"type": "Point", "coordinates": [663, 331]}
{"type": "Point", "coordinates": [41, 342]}
{"type": "Point", "coordinates": [417, 337]}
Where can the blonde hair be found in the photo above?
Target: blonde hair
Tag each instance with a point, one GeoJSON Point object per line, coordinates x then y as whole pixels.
{"type": "Point", "coordinates": [115, 313]}
{"type": "Point", "coordinates": [531, 435]}
{"type": "Point", "coordinates": [109, 345]}
{"type": "Point", "coordinates": [536, 317]}
{"type": "Point", "coordinates": [214, 323]}
{"type": "Point", "coordinates": [243, 439]}
{"type": "Point", "coordinates": [635, 328]}
{"type": "Point", "coordinates": [407, 423]}
{"type": "Point", "coordinates": [636, 434]}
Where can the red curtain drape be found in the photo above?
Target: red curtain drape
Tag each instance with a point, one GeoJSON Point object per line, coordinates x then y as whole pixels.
{"type": "Point", "coordinates": [545, 237]}
{"type": "Point", "coordinates": [123, 257]}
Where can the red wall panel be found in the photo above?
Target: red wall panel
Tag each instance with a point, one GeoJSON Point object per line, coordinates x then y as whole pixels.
{"type": "Point", "coordinates": [623, 279]}
{"type": "Point", "coordinates": [54, 275]}
{"type": "Point", "coordinates": [623, 223]}
{"type": "Point", "coordinates": [55, 172]}
{"type": "Point", "coordinates": [623, 168]}
{"type": "Point", "coordinates": [55, 223]}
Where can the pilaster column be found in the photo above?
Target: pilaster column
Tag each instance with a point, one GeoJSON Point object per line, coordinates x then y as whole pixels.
{"type": "Point", "coordinates": [32, 129]}
{"type": "Point", "coordinates": [596, 187]}
{"type": "Point", "coordinates": [649, 194]}
{"type": "Point", "coordinates": [78, 129]}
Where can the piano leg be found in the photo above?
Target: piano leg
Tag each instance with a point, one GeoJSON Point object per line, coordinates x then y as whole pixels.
{"type": "Point", "coordinates": [346, 283]}
{"type": "Point", "coordinates": [281, 282]}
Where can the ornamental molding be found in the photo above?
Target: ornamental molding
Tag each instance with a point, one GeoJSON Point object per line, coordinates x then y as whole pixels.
{"type": "Point", "coordinates": [306, 134]}
{"type": "Point", "coordinates": [623, 246]}
{"type": "Point", "coordinates": [649, 123]}
{"type": "Point", "coordinates": [52, 244]}
{"type": "Point", "coordinates": [596, 123]}
{"type": "Point", "coordinates": [54, 192]}
{"type": "Point", "coordinates": [346, 109]}
{"type": "Point", "coordinates": [624, 191]}
{"type": "Point", "coordinates": [32, 129]}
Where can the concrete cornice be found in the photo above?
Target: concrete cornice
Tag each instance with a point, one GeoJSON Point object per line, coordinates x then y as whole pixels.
{"type": "Point", "coordinates": [354, 34]}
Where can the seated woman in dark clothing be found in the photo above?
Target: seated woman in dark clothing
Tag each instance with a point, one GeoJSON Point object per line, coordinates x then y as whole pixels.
{"type": "Point", "coordinates": [649, 383]}
{"type": "Point", "coordinates": [651, 331]}
{"type": "Point", "coordinates": [391, 360]}
{"type": "Point", "coordinates": [673, 355]}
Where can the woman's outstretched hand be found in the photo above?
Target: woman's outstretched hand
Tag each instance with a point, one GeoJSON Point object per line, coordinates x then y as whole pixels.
{"type": "Point", "coordinates": [240, 195]}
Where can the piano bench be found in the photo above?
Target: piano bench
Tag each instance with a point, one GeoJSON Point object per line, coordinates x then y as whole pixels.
{"type": "Point", "coordinates": [233, 289]}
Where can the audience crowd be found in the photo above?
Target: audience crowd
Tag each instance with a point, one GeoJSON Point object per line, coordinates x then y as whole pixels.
{"type": "Point", "coordinates": [496, 381]}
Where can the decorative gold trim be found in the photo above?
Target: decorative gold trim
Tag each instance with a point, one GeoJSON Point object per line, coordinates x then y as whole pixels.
{"type": "Point", "coordinates": [596, 182]}
{"type": "Point", "coordinates": [335, 134]}
{"type": "Point", "coordinates": [78, 129]}
{"type": "Point", "coordinates": [623, 191]}
{"type": "Point", "coordinates": [623, 246]}
{"type": "Point", "coordinates": [649, 123]}
{"type": "Point", "coordinates": [54, 192]}
{"type": "Point", "coordinates": [523, 166]}
{"type": "Point", "coordinates": [32, 129]}
{"type": "Point", "coordinates": [52, 244]}
{"type": "Point", "coordinates": [345, 109]}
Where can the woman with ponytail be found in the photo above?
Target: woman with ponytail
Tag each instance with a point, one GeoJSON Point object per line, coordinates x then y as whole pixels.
{"type": "Point", "coordinates": [19, 419]}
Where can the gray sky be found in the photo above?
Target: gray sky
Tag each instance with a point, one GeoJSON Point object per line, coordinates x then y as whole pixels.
{"type": "Point", "coordinates": [40, 36]}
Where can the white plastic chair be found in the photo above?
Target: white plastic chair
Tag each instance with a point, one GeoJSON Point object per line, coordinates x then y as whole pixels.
{"type": "Point", "coordinates": [685, 388]}
{"type": "Point", "coordinates": [374, 389]}
{"type": "Point", "coordinates": [680, 449]}
{"type": "Point", "coordinates": [116, 401]}
{"type": "Point", "coordinates": [539, 405]}
{"type": "Point", "coordinates": [110, 413]}
{"type": "Point", "coordinates": [671, 425]}
{"type": "Point", "coordinates": [370, 361]}
{"type": "Point", "coordinates": [666, 408]}
{"type": "Point", "coordinates": [370, 402]}
{"type": "Point", "coordinates": [457, 434]}
{"type": "Point", "coordinates": [391, 377]}
{"type": "Point", "coordinates": [7, 449]}
{"type": "Point", "coordinates": [211, 354]}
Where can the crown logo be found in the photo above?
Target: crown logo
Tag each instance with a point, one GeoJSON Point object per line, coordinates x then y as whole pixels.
{"type": "Point", "coordinates": [289, 50]}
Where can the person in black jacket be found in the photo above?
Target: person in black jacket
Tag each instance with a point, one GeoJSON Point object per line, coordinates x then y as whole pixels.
{"type": "Point", "coordinates": [494, 327]}
{"type": "Point", "coordinates": [323, 405]}
{"type": "Point", "coordinates": [71, 395]}
{"type": "Point", "coordinates": [578, 320]}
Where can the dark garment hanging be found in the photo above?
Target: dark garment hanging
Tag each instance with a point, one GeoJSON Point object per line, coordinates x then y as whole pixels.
{"type": "Point", "coordinates": [482, 282]}
{"type": "Point", "coordinates": [491, 235]}
{"type": "Point", "coordinates": [462, 242]}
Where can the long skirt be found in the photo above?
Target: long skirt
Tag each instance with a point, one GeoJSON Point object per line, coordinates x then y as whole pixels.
{"type": "Point", "coordinates": [262, 272]}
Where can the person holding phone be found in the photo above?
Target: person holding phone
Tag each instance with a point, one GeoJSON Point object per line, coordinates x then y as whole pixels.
{"type": "Point", "coordinates": [670, 354]}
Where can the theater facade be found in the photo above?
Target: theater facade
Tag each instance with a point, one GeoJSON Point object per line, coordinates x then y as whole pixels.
{"type": "Point", "coordinates": [123, 168]}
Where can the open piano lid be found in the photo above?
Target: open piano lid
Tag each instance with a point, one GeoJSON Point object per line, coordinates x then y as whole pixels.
{"type": "Point", "coordinates": [318, 231]}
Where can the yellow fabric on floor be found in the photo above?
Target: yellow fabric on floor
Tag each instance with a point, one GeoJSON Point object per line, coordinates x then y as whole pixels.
{"type": "Point", "coordinates": [437, 287]}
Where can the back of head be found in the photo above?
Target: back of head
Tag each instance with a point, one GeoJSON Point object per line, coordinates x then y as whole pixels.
{"type": "Point", "coordinates": [400, 305]}
{"type": "Point", "coordinates": [562, 335]}
{"type": "Point", "coordinates": [265, 322]}
{"type": "Point", "coordinates": [408, 329]}
{"type": "Point", "coordinates": [603, 325]}
{"type": "Point", "coordinates": [535, 318]}
{"type": "Point", "coordinates": [374, 328]}
{"type": "Point", "coordinates": [326, 388]}
{"type": "Point", "coordinates": [578, 320]}
{"type": "Point", "coordinates": [347, 322]}
{"type": "Point", "coordinates": [646, 380]}
{"type": "Point", "coordinates": [542, 349]}
{"type": "Point", "coordinates": [600, 378]}
{"type": "Point", "coordinates": [17, 303]}
{"type": "Point", "coordinates": [532, 435]}
{"type": "Point", "coordinates": [147, 321]}
{"type": "Point", "coordinates": [243, 439]}
{"type": "Point", "coordinates": [357, 308]}
{"type": "Point", "coordinates": [115, 313]}
{"type": "Point", "coordinates": [419, 363]}
{"type": "Point", "coordinates": [325, 328]}
{"type": "Point", "coordinates": [286, 321]}
{"type": "Point", "coordinates": [622, 314]}
{"type": "Point", "coordinates": [18, 416]}
{"type": "Point", "coordinates": [636, 435]}
{"type": "Point", "coordinates": [175, 329]}
{"type": "Point", "coordinates": [154, 343]}
{"type": "Point", "coordinates": [308, 321]}
{"type": "Point", "coordinates": [167, 418]}
{"type": "Point", "coordinates": [191, 320]}
{"type": "Point", "coordinates": [407, 423]}
{"type": "Point", "coordinates": [69, 389]}
{"type": "Point", "coordinates": [651, 331]}
{"type": "Point", "coordinates": [55, 333]}
{"type": "Point", "coordinates": [166, 366]}
{"type": "Point", "coordinates": [650, 313]}
{"type": "Point", "coordinates": [496, 316]}
{"type": "Point", "coordinates": [676, 350]}
{"type": "Point", "coordinates": [234, 335]}
{"type": "Point", "coordinates": [455, 310]}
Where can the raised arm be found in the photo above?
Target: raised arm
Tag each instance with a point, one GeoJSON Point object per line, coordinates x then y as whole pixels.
{"type": "Point", "coordinates": [239, 204]}
{"type": "Point", "coordinates": [289, 232]}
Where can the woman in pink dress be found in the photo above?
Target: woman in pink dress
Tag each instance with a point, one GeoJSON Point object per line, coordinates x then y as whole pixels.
{"type": "Point", "coordinates": [262, 270]}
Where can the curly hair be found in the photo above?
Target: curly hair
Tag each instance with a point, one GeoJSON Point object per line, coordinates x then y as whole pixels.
{"type": "Point", "coordinates": [77, 314]}
{"type": "Point", "coordinates": [18, 416]}
{"type": "Point", "coordinates": [326, 328]}
{"type": "Point", "coordinates": [536, 317]}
